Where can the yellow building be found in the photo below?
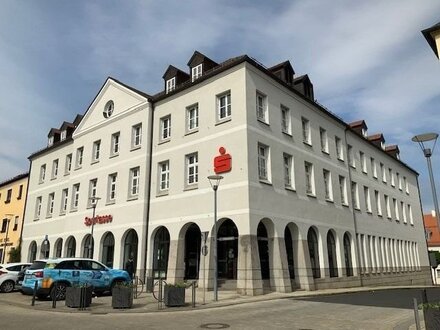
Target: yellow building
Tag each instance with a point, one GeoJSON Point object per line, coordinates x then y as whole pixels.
{"type": "Point", "coordinates": [432, 35]}
{"type": "Point", "coordinates": [12, 203]}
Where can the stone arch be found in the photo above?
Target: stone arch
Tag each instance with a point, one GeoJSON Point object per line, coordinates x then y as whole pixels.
{"type": "Point", "coordinates": [291, 243]}
{"type": "Point", "coordinates": [87, 246]}
{"type": "Point", "coordinates": [58, 248]}
{"type": "Point", "coordinates": [161, 248]}
{"type": "Point", "coordinates": [332, 253]}
{"type": "Point", "coordinates": [32, 251]}
{"type": "Point", "coordinates": [192, 245]}
{"type": "Point", "coordinates": [108, 249]}
{"type": "Point", "coordinates": [227, 249]}
{"type": "Point", "coordinates": [348, 260]}
{"type": "Point", "coordinates": [313, 247]}
{"type": "Point", "coordinates": [263, 250]}
{"type": "Point", "coordinates": [130, 243]}
{"type": "Point", "coordinates": [70, 247]}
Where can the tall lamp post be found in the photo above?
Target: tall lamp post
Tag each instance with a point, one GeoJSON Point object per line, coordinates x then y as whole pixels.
{"type": "Point", "coordinates": [5, 244]}
{"type": "Point", "coordinates": [94, 201]}
{"type": "Point", "coordinates": [214, 181]}
{"type": "Point", "coordinates": [421, 139]}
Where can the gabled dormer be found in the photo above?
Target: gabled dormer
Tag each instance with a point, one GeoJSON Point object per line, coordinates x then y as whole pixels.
{"type": "Point", "coordinates": [378, 140]}
{"type": "Point", "coordinates": [199, 64]}
{"type": "Point", "coordinates": [66, 130]}
{"type": "Point", "coordinates": [393, 150]}
{"type": "Point", "coordinates": [53, 136]}
{"type": "Point", "coordinates": [284, 71]}
{"type": "Point", "coordinates": [174, 77]}
{"type": "Point", "coordinates": [304, 86]}
{"type": "Point", "coordinates": [360, 127]}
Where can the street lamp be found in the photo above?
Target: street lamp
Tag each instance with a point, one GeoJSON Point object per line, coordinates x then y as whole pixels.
{"type": "Point", "coordinates": [421, 139]}
{"type": "Point", "coordinates": [94, 201]}
{"type": "Point", "coordinates": [8, 220]}
{"type": "Point", "coordinates": [214, 181]}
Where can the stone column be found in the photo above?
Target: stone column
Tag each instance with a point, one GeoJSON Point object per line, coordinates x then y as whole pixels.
{"type": "Point", "coordinates": [366, 250]}
{"type": "Point", "coordinates": [340, 260]}
{"type": "Point", "coordinates": [304, 274]}
{"type": "Point", "coordinates": [249, 280]}
{"type": "Point", "coordinates": [176, 266]}
{"type": "Point", "coordinates": [279, 269]}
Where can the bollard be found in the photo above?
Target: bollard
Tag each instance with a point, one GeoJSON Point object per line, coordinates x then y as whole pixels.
{"type": "Point", "coordinates": [193, 294]}
{"type": "Point", "coordinates": [54, 296]}
{"type": "Point", "coordinates": [35, 293]}
{"type": "Point", "coordinates": [416, 314]}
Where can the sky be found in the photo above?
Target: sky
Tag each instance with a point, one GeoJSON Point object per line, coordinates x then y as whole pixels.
{"type": "Point", "coordinates": [367, 60]}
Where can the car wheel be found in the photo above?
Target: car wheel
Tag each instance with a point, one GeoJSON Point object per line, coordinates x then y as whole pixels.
{"type": "Point", "coordinates": [59, 291]}
{"type": "Point", "coordinates": [7, 286]}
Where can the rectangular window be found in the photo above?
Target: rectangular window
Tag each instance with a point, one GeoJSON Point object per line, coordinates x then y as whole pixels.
{"type": "Point", "coordinates": [196, 72]}
{"type": "Point", "coordinates": [96, 152]}
{"type": "Point", "coordinates": [261, 107]}
{"type": "Point", "coordinates": [378, 203]}
{"type": "Point", "coordinates": [343, 190]}
{"type": "Point", "coordinates": [350, 156]}
{"type": "Point", "coordinates": [192, 118]}
{"type": "Point", "coordinates": [402, 207]}
{"type": "Point", "coordinates": [263, 162]}
{"type": "Point", "coordinates": [38, 207]}
{"type": "Point", "coordinates": [79, 157]}
{"type": "Point", "coordinates": [63, 135]}
{"type": "Point", "coordinates": [288, 171]}
{"type": "Point", "coordinates": [384, 173]}
{"type": "Point", "coordinates": [373, 167]}
{"type": "Point", "coordinates": [405, 183]}
{"type": "Point", "coordinates": [355, 195]}
{"type": "Point", "coordinates": [4, 226]}
{"type": "Point", "coordinates": [192, 169]}
{"type": "Point", "coordinates": [171, 84]}
{"type": "Point", "coordinates": [393, 184]}
{"type": "Point", "coordinates": [363, 161]}
{"type": "Point", "coordinates": [286, 122]}
{"type": "Point", "coordinates": [134, 182]}
{"type": "Point", "coordinates": [17, 218]}
{"type": "Point", "coordinates": [164, 175]}
{"type": "Point", "coordinates": [388, 206]}
{"type": "Point", "coordinates": [20, 192]}
{"type": "Point", "coordinates": [64, 200]}
{"type": "Point", "coordinates": [92, 191]}
{"type": "Point", "coordinates": [68, 167]}
{"type": "Point", "coordinates": [339, 149]}
{"type": "Point", "coordinates": [410, 215]}
{"type": "Point", "coordinates": [136, 136]}
{"type": "Point", "coordinates": [224, 106]}
{"type": "Point", "coordinates": [328, 189]}
{"type": "Point", "coordinates": [399, 181]}
{"type": "Point", "coordinates": [396, 209]}
{"type": "Point", "coordinates": [367, 199]}
{"type": "Point", "coordinates": [75, 197]}
{"type": "Point", "coordinates": [111, 191]}
{"type": "Point", "coordinates": [42, 173]}
{"type": "Point", "coordinates": [323, 139]}
{"type": "Point", "coordinates": [115, 144]}
{"type": "Point", "coordinates": [55, 169]}
{"type": "Point", "coordinates": [310, 178]}
{"type": "Point", "coordinates": [50, 203]}
{"type": "Point", "coordinates": [306, 131]}
{"type": "Point", "coordinates": [8, 196]}
{"type": "Point", "coordinates": [165, 128]}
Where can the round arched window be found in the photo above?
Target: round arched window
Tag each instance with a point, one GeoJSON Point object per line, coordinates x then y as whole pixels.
{"type": "Point", "coordinates": [108, 109]}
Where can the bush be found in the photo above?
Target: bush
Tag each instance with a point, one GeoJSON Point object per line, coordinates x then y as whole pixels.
{"type": "Point", "coordinates": [15, 254]}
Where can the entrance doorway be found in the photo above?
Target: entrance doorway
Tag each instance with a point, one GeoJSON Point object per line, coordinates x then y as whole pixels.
{"type": "Point", "coordinates": [130, 246]}
{"type": "Point", "coordinates": [160, 253]}
{"type": "Point", "coordinates": [227, 250]}
{"type": "Point", "coordinates": [192, 252]}
{"type": "Point", "coordinates": [263, 251]}
{"type": "Point", "coordinates": [108, 250]}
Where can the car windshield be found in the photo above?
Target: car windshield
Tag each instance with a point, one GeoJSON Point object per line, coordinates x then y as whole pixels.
{"type": "Point", "coordinates": [37, 265]}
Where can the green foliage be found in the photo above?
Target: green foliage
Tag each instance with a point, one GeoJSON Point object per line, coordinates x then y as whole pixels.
{"type": "Point", "coordinates": [178, 285]}
{"type": "Point", "coordinates": [15, 254]}
{"type": "Point", "coordinates": [437, 255]}
{"type": "Point", "coordinates": [426, 306]}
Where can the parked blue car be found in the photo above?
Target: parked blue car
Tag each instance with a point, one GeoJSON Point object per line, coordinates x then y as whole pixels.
{"type": "Point", "coordinates": [60, 273]}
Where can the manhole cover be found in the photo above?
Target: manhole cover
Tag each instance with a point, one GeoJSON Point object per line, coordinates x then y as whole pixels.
{"type": "Point", "coordinates": [214, 326]}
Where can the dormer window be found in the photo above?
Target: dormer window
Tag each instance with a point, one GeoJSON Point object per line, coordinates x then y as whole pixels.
{"type": "Point", "coordinates": [382, 145]}
{"type": "Point", "coordinates": [50, 142]}
{"type": "Point", "coordinates": [364, 132]}
{"type": "Point", "coordinates": [196, 72]}
{"type": "Point", "coordinates": [63, 135]}
{"type": "Point", "coordinates": [171, 84]}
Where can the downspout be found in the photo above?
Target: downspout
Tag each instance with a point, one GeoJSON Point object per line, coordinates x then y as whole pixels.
{"type": "Point", "coordinates": [353, 211]}
{"type": "Point", "coordinates": [20, 240]}
{"type": "Point", "coordinates": [147, 213]}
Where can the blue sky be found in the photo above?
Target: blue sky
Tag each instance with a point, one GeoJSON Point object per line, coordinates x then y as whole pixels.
{"type": "Point", "coordinates": [366, 59]}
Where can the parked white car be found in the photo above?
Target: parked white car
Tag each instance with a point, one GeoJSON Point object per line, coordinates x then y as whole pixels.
{"type": "Point", "coordinates": [9, 275]}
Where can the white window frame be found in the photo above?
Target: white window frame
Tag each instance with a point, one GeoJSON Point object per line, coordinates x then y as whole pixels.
{"type": "Point", "coordinates": [384, 173]}
{"type": "Point", "coordinates": [93, 186]}
{"type": "Point", "coordinates": [402, 207]}
{"type": "Point", "coordinates": [289, 176]}
{"type": "Point", "coordinates": [339, 148]}
{"type": "Point", "coordinates": [350, 156]}
{"type": "Point", "coordinates": [196, 72]}
{"type": "Point", "coordinates": [224, 106]}
{"type": "Point", "coordinates": [355, 195]}
{"type": "Point", "coordinates": [50, 141]}
{"type": "Point", "coordinates": [170, 85]}
{"type": "Point", "coordinates": [165, 128]}
{"type": "Point", "coordinates": [405, 183]}
{"type": "Point", "coordinates": [261, 107]}
{"type": "Point", "coordinates": [388, 206]}
{"type": "Point", "coordinates": [64, 200]}
{"type": "Point", "coordinates": [164, 175]}
{"type": "Point", "coordinates": [63, 135]}
{"type": "Point", "coordinates": [399, 181]}
{"type": "Point", "coordinates": [306, 134]}
{"type": "Point", "coordinates": [373, 167]}
{"type": "Point", "coordinates": [135, 174]}
{"type": "Point", "coordinates": [328, 186]}
{"type": "Point", "coordinates": [55, 164]}
{"type": "Point", "coordinates": [96, 151]}
{"type": "Point", "coordinates": [38, 203]}
{"type": "Point", "coordinates": [396, 209]}
{"type": "Point", "coordinates": [68, 166]}
{"type": "Point", "coordinates": [79, 157]}
{"type": "Point", "coordinates": [367, 198]}
{"type": "Point", "coordinates": [363, 161]}
{"type": "Point", "coordinates": [192, 169]}
{"type": "Point", "coordinates": [343, 190]}
{"type": "Point", "coordinates": [323, 140]}
{"type": "Point", "coordinates": [136, 136]}
{"type": "Point", "coordinates": [263, 152]}
{"type": "Point", "coordinates": [192, 118]}
{"type": "Point", "coordinates": [50, 205]}
{"type": "Point", "coordinates": [286, 120]}
{"type": "Point", "coordinates": [115, 144]}
{"type": "Point", "coordinates": [410, 215]}
{"type": "Point", "coordinates": [378, 203]}
{"type": "Point", "coordinates": [111, 190]}
{"type": "Point", "coordinates": [309, 178]}
{"type": "Point", "coordinates": [42, 173]}
{"type": "Point", "coordinates": [393, 183]}
{"type": "Point", "coordinates": [75, 197]}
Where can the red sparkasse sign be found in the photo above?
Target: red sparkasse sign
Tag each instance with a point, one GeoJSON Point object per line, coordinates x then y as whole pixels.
{"type": "Point", "coordinates": [222, 163]}
{"type": "Point", "coordinates": [99, 219]}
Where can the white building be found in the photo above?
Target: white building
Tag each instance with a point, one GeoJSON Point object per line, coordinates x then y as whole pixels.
{"type": "Point", "coordinates": [309, 201]}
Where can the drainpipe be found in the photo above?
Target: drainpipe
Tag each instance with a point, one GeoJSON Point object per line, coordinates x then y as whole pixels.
{"type": "Point", "coordinates": [20, 240]}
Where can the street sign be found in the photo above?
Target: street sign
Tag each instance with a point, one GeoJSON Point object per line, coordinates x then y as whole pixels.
{"type": "Point", "coordinates": [205, 250]}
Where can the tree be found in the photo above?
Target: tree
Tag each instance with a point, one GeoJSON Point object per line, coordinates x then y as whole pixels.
{"type": "Point", "coordinates": [15, 254]}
